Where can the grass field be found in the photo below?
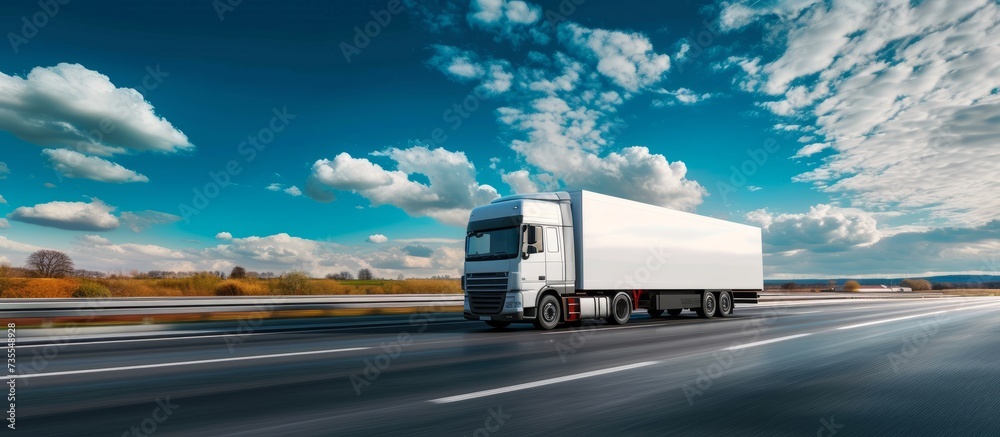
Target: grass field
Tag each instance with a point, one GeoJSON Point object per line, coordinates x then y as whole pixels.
{"type": "Point", "coordinates": [213, 286]}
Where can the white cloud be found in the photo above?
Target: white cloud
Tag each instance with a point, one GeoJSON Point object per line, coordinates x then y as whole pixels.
{"type": "Point", "coordinates": [463, 66]}
{"type": "Point", "coordinates": [902, 93]}
{"type": "Point", "coordinates": [139, 221]}
{"type": "Point", "coordinates": [627, 59]}
{"type": "Point", "coordinates": [451, 194]}
{"type": "Point", "coordinates": [510, 20]}
{"type": "Point", "coordinates": [14, 246]}
{"type": "Point", "coordinates": [224, 236]}
{"type": "Point", "coordinates": [2, 200]}
{"type": "Point", "coordinates": [4, 224]}
{"type": "Point", "coordinates": [752, 188]}
{"type": "Point", "coordinates": [62, 105]}
{"type": "Point", "coordinates": [274, 187]}
{"type": "Point", "coordinates": [74, 216]}
{"type": "Point", "coordinates": [824, 228]}
{"type": "Point", "coordinates": [74, 164]}
{"type": "Point", "coordinates": [377, 238]}
{"type": "Point", "coordinates": [682, 96]}
{"type": "Point", "coordinates": [293, 191]}
{"type": "Point", "coordinates": [4, 170]}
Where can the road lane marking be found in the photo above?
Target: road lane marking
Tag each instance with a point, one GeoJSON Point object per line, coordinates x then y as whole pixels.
{"type": "Point", "coordinates": [758, 343]}
{"type": "Point", "coordinates": [879, 322]}
{"type": "Point", "coordinates": [544, 382]}
{"type": "Point", "coordinates": [181, 363]}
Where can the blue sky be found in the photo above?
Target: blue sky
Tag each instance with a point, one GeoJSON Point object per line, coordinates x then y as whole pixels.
{"type": "Point", "coordinates": [199, 136]}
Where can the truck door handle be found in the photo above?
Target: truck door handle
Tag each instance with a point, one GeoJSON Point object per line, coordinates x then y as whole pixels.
{"type": "Point", "coordinates": [541, 278]}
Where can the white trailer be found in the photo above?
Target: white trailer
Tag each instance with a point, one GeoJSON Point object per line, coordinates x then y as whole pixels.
{"type": "Point", "coordinates": [551, 258]}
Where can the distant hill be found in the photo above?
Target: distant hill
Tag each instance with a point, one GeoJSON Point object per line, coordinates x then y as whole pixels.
{"type": "Point", "coordinates": [954, 279]}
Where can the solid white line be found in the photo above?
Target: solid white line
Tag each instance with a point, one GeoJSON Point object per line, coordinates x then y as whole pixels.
{"type": "Point", "coordinates": [804, 312]}
{"type": "Point", "coordinates": [543, 382]}
{"type": "Point", "coordinates": [758, 343]}
{"type": "Point", "coordinates": [878, 322]}
{"type": "Point", "coordinates": [181, 363]}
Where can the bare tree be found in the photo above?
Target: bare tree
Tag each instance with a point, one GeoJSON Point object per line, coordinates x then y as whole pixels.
{"type": "Point", "coordinates": [365, 275]}
{"type": "Point", "coordinates": [50, 263]}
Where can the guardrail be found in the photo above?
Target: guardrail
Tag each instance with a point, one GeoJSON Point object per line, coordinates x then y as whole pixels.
{"type": "Point", "coordinates": [50, 308]}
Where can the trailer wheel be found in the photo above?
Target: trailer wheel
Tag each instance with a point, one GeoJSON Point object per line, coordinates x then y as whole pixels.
{"type": "Point", "coordinates": [674, 312]}
{"type": "Point", "coordinates": [708, 305]}
{"type": "Point", "coordinates": [725, 305]}
{"type": "Point", "coordinates": [548, 313]}
{"type": "Point", "coordinates": [654, 313]}
{"type": "Point", "coordinates": [621, 309]}
{"type": "Point", "coordinates": [499, 324]}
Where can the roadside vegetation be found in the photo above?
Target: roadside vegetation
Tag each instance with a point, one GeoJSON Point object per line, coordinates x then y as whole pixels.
{"type": "Point", "coordinates": [53, 276]}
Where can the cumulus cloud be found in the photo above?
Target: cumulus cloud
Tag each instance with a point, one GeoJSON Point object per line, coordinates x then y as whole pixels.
{"type": "Point", "coordinates": [64, 105]}
{"type": "Point", "coordinates": [824, 228]}
{"type": "Point", "coordinates": [627, 59]}
{"type": "Point", "coordinates": [74, 216]}
{"type": "Point", "coordinates": [4, 224]}
{"type": "Point", "coordinates": [2, 200]}
{"type": "Point", "coordinates": [510, 20]}
{"type": "Point", "coordinates": [139, 221]}
{"type": "Point", "coordinates": [97, 245]}
{"type": "Point", "coordinates": [418, 250]}
{"type": "Point", "coordinates": [901, 93]}
{"type": "Point", "coordinates": [449, 196]}
{"type": "Point", "coordinates": [224, 236]}
{"type": "Point", "coordinates": [493, 75]}
{"type": "Point", "coordinates": [74, 164]}
{"type": "Point", "coordinates": [4, 170]}
{"type": "Point", "coordinates": [377, 238]}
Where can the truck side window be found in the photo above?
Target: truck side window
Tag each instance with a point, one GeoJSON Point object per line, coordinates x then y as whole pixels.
{"type": "Point", "coordinates": [533, 238]}
{"type": "Point", "coordinates": [553, 236]}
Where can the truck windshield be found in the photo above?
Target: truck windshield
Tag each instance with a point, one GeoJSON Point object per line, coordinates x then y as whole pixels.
{"type": "Point", "coordinates": [492, 244]}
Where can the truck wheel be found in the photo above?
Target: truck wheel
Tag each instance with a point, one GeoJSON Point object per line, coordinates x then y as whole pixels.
{"type": "Point", "coordinates": [708, 305]}
{"type": "Point", "coordinates": [499, 324]}
{"type": "Point", "coordinates": [621, 309]}
{"type": "Point", "coordinates": [725, 305]}
{"type": "Point", "coordinates": [548, 313]}
{"type": "Point", "coordinates": [674, 312]}
{"type": "Point", "coordinates": [654, 313]}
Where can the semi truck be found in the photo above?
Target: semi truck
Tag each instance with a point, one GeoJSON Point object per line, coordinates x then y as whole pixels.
{"type": "Point", "coordinates": [566, 257]}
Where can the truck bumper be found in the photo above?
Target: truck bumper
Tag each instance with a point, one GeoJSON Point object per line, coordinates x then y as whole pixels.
{"type": "Point", "coordinates": [512, 311]}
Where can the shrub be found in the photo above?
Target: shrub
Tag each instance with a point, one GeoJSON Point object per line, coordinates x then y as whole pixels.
{"type": "Point", "coordinates": [852, 285]}
{"type": "Point", "coordinates": [230, 288]}
{"type": "Point", "coordinates": [4, 278]}
{"type": "Point", "coordinates": [296, 282]}
{"type": "Point", "coordinates": [916, 284]}
{"type": "Point", "coordinates": [238, 273]}
{"type": "Point", "coordinates": [91, 290]}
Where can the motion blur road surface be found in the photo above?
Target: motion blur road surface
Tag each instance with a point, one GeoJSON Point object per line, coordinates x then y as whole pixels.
{"type": "Point", "coordinates": [878, 367]}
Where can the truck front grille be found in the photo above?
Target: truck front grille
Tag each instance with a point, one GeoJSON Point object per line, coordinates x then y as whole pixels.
{"type": "Point", "coordinates": [486, 291]}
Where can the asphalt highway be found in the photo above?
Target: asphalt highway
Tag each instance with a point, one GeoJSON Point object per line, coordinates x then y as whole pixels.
{"type": "Point", "coordinates": [878, 367]}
